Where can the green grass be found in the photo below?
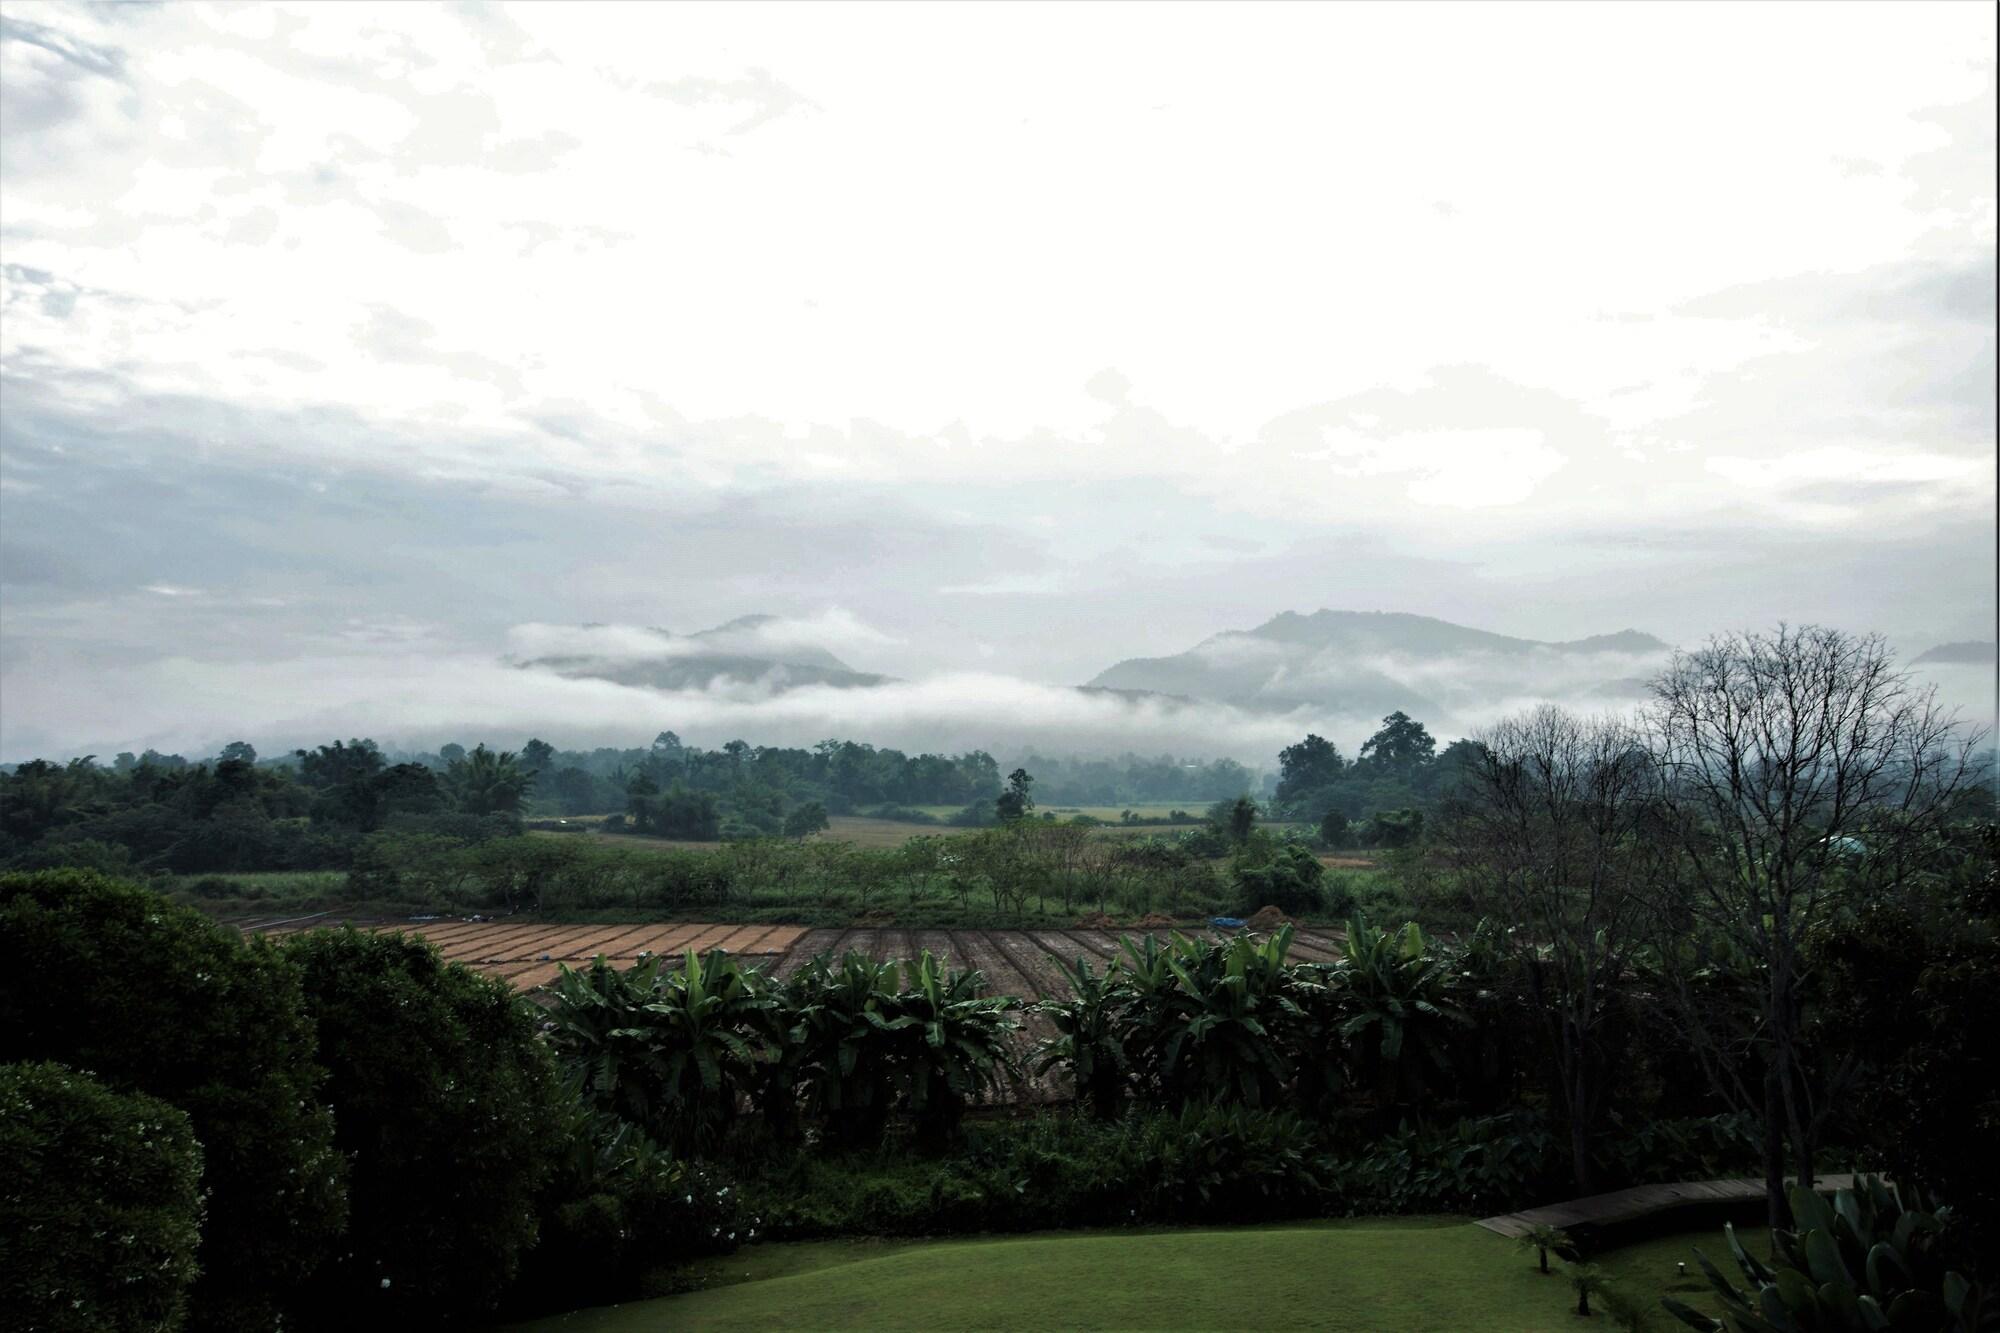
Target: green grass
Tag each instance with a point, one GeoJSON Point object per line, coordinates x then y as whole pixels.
{"type": "Point", "coordinates": [1401, 1274]}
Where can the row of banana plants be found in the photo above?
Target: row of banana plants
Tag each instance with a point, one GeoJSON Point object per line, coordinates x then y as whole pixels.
{"type": "Point", "coordinates": [682, 1051]}
{"type": "Point", "coordinates": [842, 1045]}
{"type": "Point", "coordinates": [1197, 1021]}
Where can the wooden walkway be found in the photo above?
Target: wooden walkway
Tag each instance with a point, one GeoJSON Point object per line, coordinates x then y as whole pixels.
{"type": "Point", "coordinates": [1629, 1205]}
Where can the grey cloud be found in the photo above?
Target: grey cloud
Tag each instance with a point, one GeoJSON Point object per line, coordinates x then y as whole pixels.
{"type": "Point", "coordinates": [104, 61]}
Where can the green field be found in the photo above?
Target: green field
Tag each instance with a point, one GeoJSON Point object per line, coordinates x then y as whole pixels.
{"type": "Point", "coordinates": [1404, 1275]}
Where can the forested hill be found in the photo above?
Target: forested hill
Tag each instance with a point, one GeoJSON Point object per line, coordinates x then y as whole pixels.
{"type": "Point", "coordinates": [750, 650]}
{"type": "Point", "coordinates": [1374, 662]}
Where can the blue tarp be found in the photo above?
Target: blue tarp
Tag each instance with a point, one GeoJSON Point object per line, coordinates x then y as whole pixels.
{"type": "Point", "coordinates": [1226, 922]}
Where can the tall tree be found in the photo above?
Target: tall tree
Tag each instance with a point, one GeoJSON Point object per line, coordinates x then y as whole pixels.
{"type": "Point", "coordinates": [1013, 805]}
{"type": "Point", "coordinates": [488, 783]}
{"type": "Point", "coordinates": [1801, 773]}
{"type": "Point", "coordinates": [1548, 830]}
{"type": "Point", "coordinates": [1402, 746]}
{"type": "Point", "coordinates": [1314, 763]}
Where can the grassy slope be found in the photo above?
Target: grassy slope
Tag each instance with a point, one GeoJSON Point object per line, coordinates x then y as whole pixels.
{"type": "Point", "coordinates": [1402, 1274]}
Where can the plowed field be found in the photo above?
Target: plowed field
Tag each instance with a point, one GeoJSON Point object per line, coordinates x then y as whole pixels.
{"type": "Point", "coordinates": [1026, 963]}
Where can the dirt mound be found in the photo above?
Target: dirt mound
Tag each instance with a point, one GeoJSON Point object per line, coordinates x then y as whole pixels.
{"type": "Point", "coordinates": [1154, 921]}
{"type": "Point", "coordinates": [1266, 918]}
{"type": "Point", "coordinates": [1096, 921]}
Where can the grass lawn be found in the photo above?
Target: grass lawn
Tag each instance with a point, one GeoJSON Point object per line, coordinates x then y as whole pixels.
{"type": "Point", "coordinates": [1401, 1274]}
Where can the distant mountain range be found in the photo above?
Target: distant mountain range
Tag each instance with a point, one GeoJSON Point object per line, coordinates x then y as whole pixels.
{"type": "Point", "coordinates": [1349, 665]}
{"type": "Point", "coordinates": [744, 653]}
{"type": "Point", "coordinates": [1957, 654]}
{"type": "Point", "coordinates": [1375, 662]}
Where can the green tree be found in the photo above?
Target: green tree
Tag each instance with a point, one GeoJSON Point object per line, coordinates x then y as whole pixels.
{"type": "Point", "coordinates": [1310, 766]}
{"type": "Point", "coordinates": [1333, 829]}
{"type": "Point", "coordinates": [1013, 805]}
{"type": "Point", "coordinates": [806, 820]}
{"type": "Point", "coordinates": [242, 750]}
{"type": "Point", "coordinates": [488, 783]}
{"type": "Point", "coordinates": [1396, 828]}
{"type": "Point", "coordinates": [1234, 818]}
{"type": "Point", "coordinates": [1402, 746]}
{"type": "Point", "coordinates": [150, 997]}
{"type": "Point", "coordinates": [445, 1105]}
{"type": "Point", "coordinates": [100, 1205]}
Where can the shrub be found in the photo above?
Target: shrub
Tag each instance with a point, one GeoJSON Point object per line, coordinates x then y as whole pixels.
{"type": "Point", "coordinates": [100, 1204]}
{"type": "Point", "coordinates": [1482, 1165]}
{"type": "Point", "coordinates": [1287, 880]}
{"type": "Point", "coordinates": [1863, 1262]}
{"type": "Point", "coordinates": [1051, 1171]}
{"type": "Point", "coordinates": [152, 998]}
{"type": "Point", "coordinates": [443, 1100]}
{"type": "Point", "coordinates": [616, 1204]}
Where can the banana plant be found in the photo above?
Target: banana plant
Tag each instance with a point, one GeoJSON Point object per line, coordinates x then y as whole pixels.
{"type": "Point", "coordinates": [597, 1029]}
{"type": "Point", "coordinates": [1089, 1041]}
{"type": "Point", "coordinates": [1395, 990]}
{"type": "Point", "coordinates": [1233, 1021]}
{"type": "Point", "coordinates": [668, 1051]}
{"type": "Point", "coordinates": [849, 1029]}
{"type": "Point", "coordinates": [961, 1042]}
{"type": "Point", "coordinates": [697, 1024]}
{"type": "Point", "coordinates": [1864, 1263]}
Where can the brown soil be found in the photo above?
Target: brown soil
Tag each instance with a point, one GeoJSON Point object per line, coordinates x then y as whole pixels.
{"type": "Point", "coordinates": [1267, 918]}
{"type": "Point", "coordinates": [1096, 921]}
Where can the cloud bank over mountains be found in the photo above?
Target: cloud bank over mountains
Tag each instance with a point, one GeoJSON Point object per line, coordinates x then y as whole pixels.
{"type": "Point", "coordinates": [337, 342]}
{"type": "Point", "coordinates": [1246, 694]}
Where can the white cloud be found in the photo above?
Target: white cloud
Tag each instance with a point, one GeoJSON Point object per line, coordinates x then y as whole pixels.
{"type": "Point", "coordinates": [1086, 288]}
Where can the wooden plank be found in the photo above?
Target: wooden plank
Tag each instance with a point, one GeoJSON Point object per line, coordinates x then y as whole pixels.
{"type": "Point", "coordinates": [1639, 1201]}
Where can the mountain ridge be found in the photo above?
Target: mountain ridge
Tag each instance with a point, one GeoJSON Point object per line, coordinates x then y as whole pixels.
{"type": "Point", "coordinates": [1373, 662]}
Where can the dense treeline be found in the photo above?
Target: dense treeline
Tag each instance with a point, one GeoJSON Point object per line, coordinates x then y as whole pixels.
{"type": "Point", "coordinates": [155, 813]}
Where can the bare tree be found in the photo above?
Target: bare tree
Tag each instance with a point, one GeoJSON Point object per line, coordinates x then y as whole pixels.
{"type": "Point", "coordinates": [1547, 832]}
{"type": "Point", "coordinates": [1800, 771]}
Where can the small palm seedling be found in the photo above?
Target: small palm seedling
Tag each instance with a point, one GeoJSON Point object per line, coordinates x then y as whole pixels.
{"type": "Point", "coordinates": [1586, 1280]}
{"type": "Point", "coordinates": [1545, 1238]}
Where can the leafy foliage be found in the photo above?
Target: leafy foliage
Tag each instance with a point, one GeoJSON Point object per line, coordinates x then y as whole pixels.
{"type": "Point", "coordinates": [152, 998]}
{"type": "Point", "coordinates": [1286, 878]}
{"type": "Point", "coordinates": [1396, 991]}
{"type": "Point", "coordinates": [443, 1100]}
{"type": "Point", "coordinates": [100, 1204]}
{"type": "Point", "coordinates": [1863, 1262]}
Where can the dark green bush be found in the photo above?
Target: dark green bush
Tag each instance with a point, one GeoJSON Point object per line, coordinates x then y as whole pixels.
{"type": "Point", "coordinates": [1484, 1165]}
{"type": "Point", "coordinates": [617, 1205]}
{"type": "Point", "coordinates": [152, 998]}
{"type": "Point", "coordinates": [444, 1102]}
{"type": "Point", "coordinates": [1868, 1261]}
{"type": "Point", "coordinates": [100, 1204]}
{"type": "Point", "coordinates": [1052, 1171]}
{"type": "Point", "coordinates": [1287, 879]}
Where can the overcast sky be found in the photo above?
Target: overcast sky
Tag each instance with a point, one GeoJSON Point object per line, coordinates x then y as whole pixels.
{"type": "Point", "coordinates": [338, 341]}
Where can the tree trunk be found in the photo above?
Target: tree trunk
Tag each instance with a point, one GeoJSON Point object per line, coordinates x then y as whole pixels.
{"type": "Point", "coordinates": [1579, 1148]}
{"type": "Point", "coordinates": [1778, 1211]}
